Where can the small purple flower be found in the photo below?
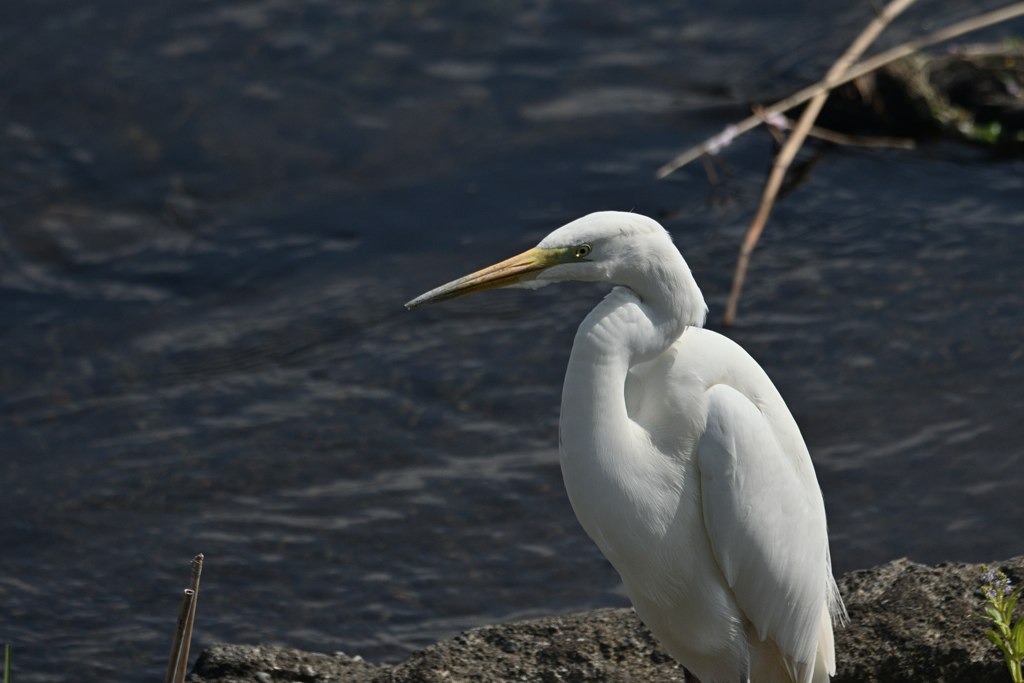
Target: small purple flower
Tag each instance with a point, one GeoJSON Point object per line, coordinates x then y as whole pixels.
{"type": "Point", "coordinates": [989, 576]}
{"type": "Point", "coordinates": [991, 592]}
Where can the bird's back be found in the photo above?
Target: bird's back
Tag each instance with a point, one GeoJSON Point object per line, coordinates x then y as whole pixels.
{"type": "Point", "coordinates": [670, 399]}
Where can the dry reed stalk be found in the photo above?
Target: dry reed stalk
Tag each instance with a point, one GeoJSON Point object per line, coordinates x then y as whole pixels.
{"type": "Point", "coordinates": [775, 127]}
{"type": "Point", "coordinates": [860, 141]}
{"type": "Point", "coordinates": [861, 69]}
{"type": "Point", "coordinates": [186, 641]}
{"type": "Point", "coordinates": [709, 169]}
{"type": "Point", "coordinates": [789, 151]}
{"type": "Point", "coordinates": [178, 664]}
{"type": "Point", "coordinates": [179, 633]}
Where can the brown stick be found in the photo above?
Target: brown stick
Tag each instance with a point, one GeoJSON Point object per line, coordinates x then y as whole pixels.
{"type": "Point", "coordinates": [796, 139]}
{"type": "Point", "coordinates": [179, 633]}
{"type": "Point", "coordinates": [709, 169]}
{"type": "Point", "coordinates": [186, 641]}
{"type": "Point", "coordinates": [867, 66]}
{"type": "Point", "coordinates": [780, 123]}
{"type": "Point", "coordinates": [859, 141]}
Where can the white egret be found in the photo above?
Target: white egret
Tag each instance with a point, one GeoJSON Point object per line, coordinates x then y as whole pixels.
{"type": "Point", "coordinates": [682, 461]}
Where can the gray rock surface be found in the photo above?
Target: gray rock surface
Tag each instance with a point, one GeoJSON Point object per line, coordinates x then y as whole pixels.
{"type": "Point", "coordinates": [911, 622]}
{"type": "Point", "coordinates": [908, 622]}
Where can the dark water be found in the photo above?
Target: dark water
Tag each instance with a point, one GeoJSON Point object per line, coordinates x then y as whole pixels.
{"type": "Point", "coordinates": [211, 213]}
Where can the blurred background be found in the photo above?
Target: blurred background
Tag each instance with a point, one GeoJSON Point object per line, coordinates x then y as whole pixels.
{"type": "Point", "coordinates": [211, 212]}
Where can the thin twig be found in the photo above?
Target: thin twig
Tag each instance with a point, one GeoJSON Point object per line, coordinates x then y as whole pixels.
{"type": "Point", "coordinates": [867, 66]}
{"type": "Point", "coordinates": [829, 135]}
{"type": "Point", "coordinates": [776, 133]}
{"type": "Point", "coordinates": [186, 641]}
{"type": "Point", "coordinates": [796, 139]}
{"type": "Point", "coordinates": [969, 51]}
{"type": "Point", "coordinates": [709, 169]}
{"type": "Point", "coordinates": [779, 123]}
{"type": "Point", "coordinates": [179, 633]}
{"type": "Point", "coordinates": [178, 662]}
{"type": "Point", "coordinates": [860, 141]}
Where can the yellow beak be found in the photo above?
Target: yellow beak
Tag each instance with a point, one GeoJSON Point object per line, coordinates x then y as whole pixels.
{"type": "Point", "coordinates": [509, 272]}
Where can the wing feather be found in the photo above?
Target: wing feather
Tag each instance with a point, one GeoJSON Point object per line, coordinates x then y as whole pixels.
{"type": "Point", "coordinates": [767, 529]}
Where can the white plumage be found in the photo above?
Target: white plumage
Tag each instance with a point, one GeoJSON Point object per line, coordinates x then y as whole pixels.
{"type": "Point", "coordinates": [682, 461]}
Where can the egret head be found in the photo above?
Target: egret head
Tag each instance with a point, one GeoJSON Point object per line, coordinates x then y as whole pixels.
{"type": "Point", "coordinates": [609, 246]}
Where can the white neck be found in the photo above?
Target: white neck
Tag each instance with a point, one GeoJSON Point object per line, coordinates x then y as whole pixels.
{"type": "Point", "coordinates": [660, 300]}
{"type": "Point", "coordinates": [604, 465]}
{"type": "Point", "coordinates": [619, 333]}
{"type": "Point", "coordinates": [635, 323]}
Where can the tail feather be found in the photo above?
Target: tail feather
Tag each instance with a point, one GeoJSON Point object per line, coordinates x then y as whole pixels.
{"type": "Point", "coordinates": [825, 661]}
{"type": "Point", "coordinates": [833, 600]}
{"type": "Point", "coordinates": [769, 665]}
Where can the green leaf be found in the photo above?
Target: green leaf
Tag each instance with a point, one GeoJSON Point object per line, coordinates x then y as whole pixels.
{"type": "Point", "coordinates": [998, 642]}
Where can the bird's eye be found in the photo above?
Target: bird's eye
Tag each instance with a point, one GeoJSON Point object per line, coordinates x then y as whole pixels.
{"type": "Point", "coordinates": [582, 251]}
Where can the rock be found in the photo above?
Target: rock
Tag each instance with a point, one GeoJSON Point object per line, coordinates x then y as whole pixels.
{"type": "Point", "coordinates": [604, 645]}
{"type": "Point", "coordinates": [911, 622]}
{"type": "Point", "coordinates": [908, 622]}
{"type": "Point", "coordinates": [263, 664]}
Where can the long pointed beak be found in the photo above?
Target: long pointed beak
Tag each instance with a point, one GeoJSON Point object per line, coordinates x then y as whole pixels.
{"type": "Point", "coordinates": [509, 272]}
